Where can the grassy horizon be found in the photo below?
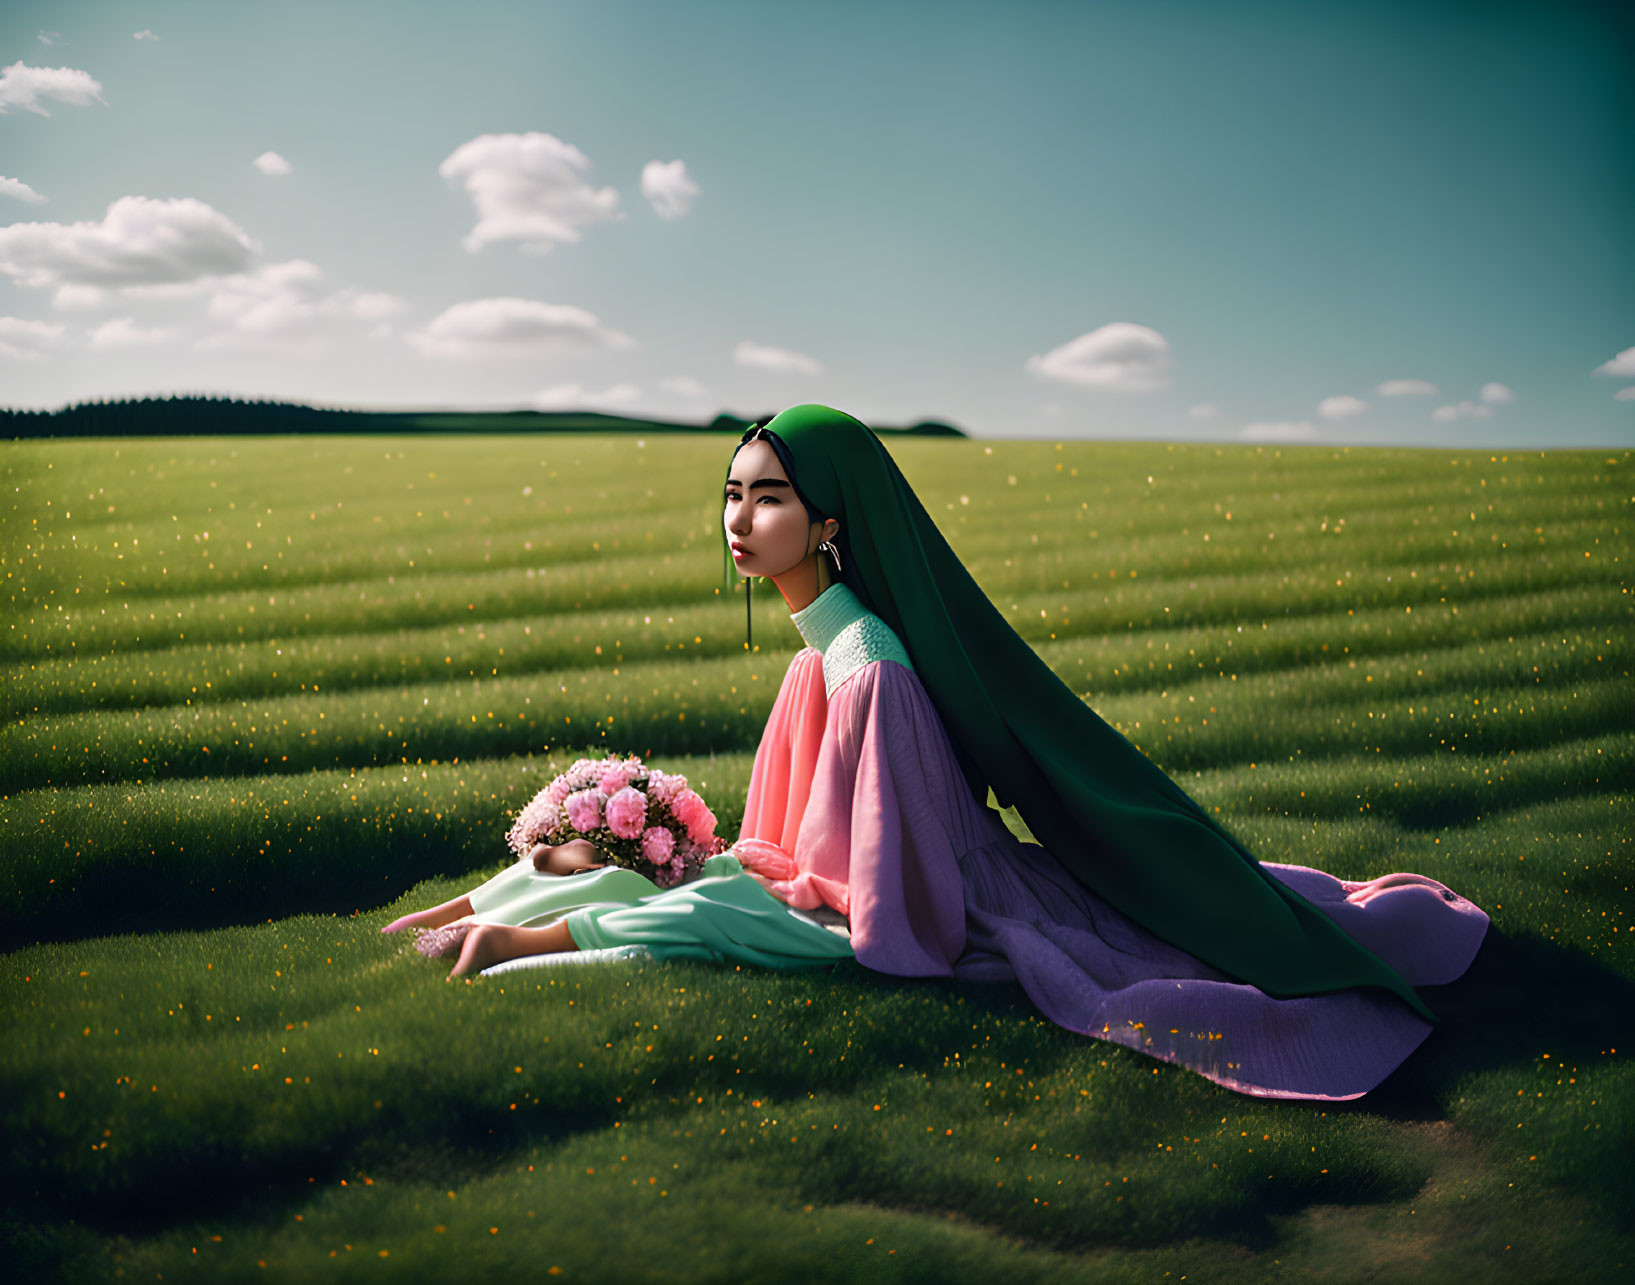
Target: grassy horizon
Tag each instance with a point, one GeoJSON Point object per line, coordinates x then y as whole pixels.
{"type": "Point", "coordinates": [262, 695]}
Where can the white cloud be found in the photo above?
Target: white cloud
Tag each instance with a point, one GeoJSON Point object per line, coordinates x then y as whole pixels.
{"type": "Point", "coordinates": [1461, 410]}
{"type": "Point", "coordinates": [1295, 431]}
{"type": "Point", "coordinates": [509, 327]}
{"type": "Point", "coordinates": [49, 37]}
{"type": "Point", "coordinates": [123, 332]}
{"type": "Point", "coordinates": [1620, 367]}
{"type": "Point", "coordinates": [558, 397]}
{"type": "Point", "coordinates": [20, 191]}
{"type": "Point", "coordinates": [1406, 388]}
{"type": "Point", "coordinates": [279, 300]}
{"type": "Point", "coordinates": [1625, 394]}
{"type": "Point", "coordinates": [684, 386]}
{"type": "Point", "coordinates": [1119, 355]}
{"type": "Point", "coordinates": [78, 299]}
{"type": "Point", "coordinates": [27, 340]}
{"type": "Point", "coordinates": [782, 360]}
{"type": "Point", "coordinates": [143, 34]}
{"type": "Point", "coordinates": [668, 188]}
{"type": "Point", "coordinates": [368, 305]}
{"type": "Point", "coordinates": [24, 86]}
{"type": "Point", "coordinates": [139, 241]}
{"type": "Point", "coordinates": [287, 301]}
{"type": "Point", "coordinates": [1498, 394]}
{"type": "Point", "coordinates": [1204, 410]}
{"type": "Point", "coordinates": [615, 395]}
{"type": "Point", "coordinates": [527, 188]}
{"type": "Point", "coordinates": [1341, 406]}
{"type": "Point", "coordinates": [573, 397]}
{"type": "Point", "coordinates": [190, 289]}
{"type": "Point", "coordinates": [271, 163]}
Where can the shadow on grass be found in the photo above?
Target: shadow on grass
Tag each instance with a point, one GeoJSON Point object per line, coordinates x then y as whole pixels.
{"type": "Point", "coordinates": [210, 1186]}
{"type": "Point", "coordinates": [44, 1244]}
{"type": "Point", "coordinates": [149, 893]}
{"type": "Point", "coordinates": [1520, 998]}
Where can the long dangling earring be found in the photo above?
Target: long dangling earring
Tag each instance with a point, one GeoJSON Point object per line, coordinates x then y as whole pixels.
{"type": "Point", "coordinates": [833, 552]}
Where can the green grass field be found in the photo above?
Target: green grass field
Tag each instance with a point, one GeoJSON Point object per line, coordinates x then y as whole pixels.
{"type": "Point", "coordinates": [263, 695]}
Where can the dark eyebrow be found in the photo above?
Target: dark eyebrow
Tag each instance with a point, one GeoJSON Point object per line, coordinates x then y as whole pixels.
{"type": "Point", "coordinates": [765, 481]}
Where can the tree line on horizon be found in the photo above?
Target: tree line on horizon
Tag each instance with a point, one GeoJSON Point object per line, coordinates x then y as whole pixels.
{"type": "Point", "coordinates": [204, 416]}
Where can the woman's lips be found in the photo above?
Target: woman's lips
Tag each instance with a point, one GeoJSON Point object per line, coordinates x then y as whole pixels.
{"type": "Point", "coordinates": [738, 550]}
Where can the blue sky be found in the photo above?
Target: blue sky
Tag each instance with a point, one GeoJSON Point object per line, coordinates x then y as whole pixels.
{"type": "Point", "coordinates": [1347, 222]}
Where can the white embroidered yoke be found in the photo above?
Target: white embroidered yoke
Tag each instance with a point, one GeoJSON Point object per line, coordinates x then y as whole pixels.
{"type": "Point", "coordinates": [847, 635]}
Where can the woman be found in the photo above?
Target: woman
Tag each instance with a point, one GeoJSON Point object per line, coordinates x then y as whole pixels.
{"type": "Point", "coordinates": [1136, 917]}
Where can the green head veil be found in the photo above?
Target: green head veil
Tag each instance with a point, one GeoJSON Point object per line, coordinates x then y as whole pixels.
{"type": "Point", "coordinates": [1112, 818]}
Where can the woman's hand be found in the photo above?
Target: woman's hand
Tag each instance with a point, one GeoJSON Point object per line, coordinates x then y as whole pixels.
{"type": "Point", "coordinates": [571, 858]}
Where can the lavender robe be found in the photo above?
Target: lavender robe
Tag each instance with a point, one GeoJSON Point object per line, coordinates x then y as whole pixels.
{"type": "Point", "coordinates": [857, 803]}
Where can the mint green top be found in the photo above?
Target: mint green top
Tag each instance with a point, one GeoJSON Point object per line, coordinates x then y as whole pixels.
{"type": "Point", "coordinates": [848, 634]}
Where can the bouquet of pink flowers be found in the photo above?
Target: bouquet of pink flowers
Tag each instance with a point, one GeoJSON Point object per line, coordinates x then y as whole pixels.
{"type": "Point", "coordinates": [640, 818]}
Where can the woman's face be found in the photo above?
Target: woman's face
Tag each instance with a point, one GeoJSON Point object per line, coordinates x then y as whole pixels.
{"type": "Point", "coordinates": [766, 523]}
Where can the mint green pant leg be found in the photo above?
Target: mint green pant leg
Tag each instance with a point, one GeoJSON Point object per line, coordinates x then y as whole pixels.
{"type": "Point", "coordinates": [727, 917]}
{"type": "Point", "coordinates": [523, 898]}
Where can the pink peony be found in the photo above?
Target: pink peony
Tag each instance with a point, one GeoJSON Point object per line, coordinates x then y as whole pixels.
{"type": "Point", "coordinates": [585, 811]}
{"type": "Point", "coordinates": [695, 814]}
{"type": "Point", "coordinates": [623, 795]}
{"type": "Point", "coordinates": [626, 812]}
{"type": "Point", "coordinates": [664, 786]}
{"type": "Point", "coordinates": [657, 844]}
{"type": "Point", "coordinates": [540, 817]}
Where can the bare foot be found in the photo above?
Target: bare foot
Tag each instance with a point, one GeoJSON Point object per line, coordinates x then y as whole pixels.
{"type": "Point", "coordinates": [436, 917]}
{"type": "Point", "coordinates": [477, 953]}
{"type": "Point", "coordinates": [420, 919]}
{"type": "Point", "coordinates": [491, 943]}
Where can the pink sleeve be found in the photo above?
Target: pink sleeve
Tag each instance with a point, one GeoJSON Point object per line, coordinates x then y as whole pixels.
{"type": "Point", "coordinates": [787, 756]}
{"type": "Point", "coordinates": [876, 842]}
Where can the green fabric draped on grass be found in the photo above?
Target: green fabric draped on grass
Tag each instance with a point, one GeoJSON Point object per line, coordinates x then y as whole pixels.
{"type": "Point", "coordinates": [1116, 821]}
